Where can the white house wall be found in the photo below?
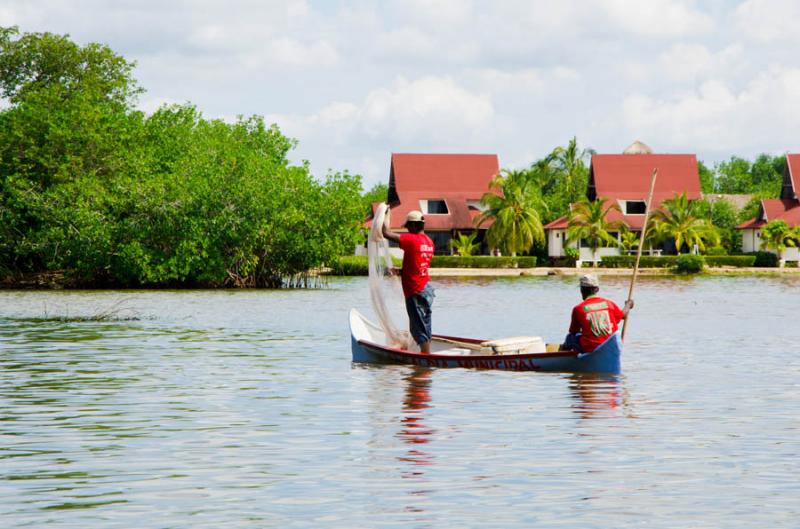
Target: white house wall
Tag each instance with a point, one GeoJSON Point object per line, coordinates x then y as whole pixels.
{"type": "Point", "coordinates": [751, 240]}
{"type": "Point", "coordinates": [555, 246]}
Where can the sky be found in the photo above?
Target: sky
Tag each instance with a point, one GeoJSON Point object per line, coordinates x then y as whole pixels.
{"type": "Point", "coordinates": [354, 81]}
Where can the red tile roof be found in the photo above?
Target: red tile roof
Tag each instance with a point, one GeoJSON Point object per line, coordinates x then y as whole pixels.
{"type": "Point", "coordinates": [793, 166]}
{"type": "Point", "coordinates": [775, 209]}
{"type": "Point", "coordinates": [627, 177]}
{"type": "Point", "coordinates": [454, 178]}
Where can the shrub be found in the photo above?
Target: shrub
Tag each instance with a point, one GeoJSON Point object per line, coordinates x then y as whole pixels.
{"type": "Point", "coordinates": [689, 264]}
{"type": "Point", "coordinates": [730, 260]}
{"type": "Point", "coordinates": [765, 259]}
{"type": "Point", "coordinates": [482, 261]}
{"type": "Point", "coordinates": [716, 250]}
{"type": "Point", "coordinates": [350, 265]}
{"type": "Point", "coordinates": [647, 261]}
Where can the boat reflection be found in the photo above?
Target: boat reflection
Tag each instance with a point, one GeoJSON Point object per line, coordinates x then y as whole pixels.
{"type": "Point", "coordinates": [597, 395]}
{"type": "Point", "coordinates": [413, 429]}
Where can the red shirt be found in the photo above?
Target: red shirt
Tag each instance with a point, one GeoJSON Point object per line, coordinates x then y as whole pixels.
{"type": "Point", "coordinates": [596, 319]}
{"type": "Point", "coordinates": [417, 253]}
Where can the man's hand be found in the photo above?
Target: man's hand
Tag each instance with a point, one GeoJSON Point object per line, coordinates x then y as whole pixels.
{"type": "Point", "coordinates": [393, 271]}
{"type": "Point", "coordinates": [627, 307]}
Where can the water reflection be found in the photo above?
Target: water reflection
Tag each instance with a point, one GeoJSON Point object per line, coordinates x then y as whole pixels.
{"type": "Point", "coordinates": [413, 429]}
{"type": "Point", "coordinates": [597, 395]}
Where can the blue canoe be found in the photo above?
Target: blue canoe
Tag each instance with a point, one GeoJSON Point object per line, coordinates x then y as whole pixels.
{"type": "Point", "coordinates": [369, 345]}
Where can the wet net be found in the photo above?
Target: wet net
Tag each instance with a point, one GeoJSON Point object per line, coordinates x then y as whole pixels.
{"type": "Point", "coordinates": [384, 289]}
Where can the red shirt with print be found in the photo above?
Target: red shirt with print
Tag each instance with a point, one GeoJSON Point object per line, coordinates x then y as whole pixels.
{"type": "Point", "coordinates": [596, 319]}
{"type": "Point", "coordinates": [417, 253]}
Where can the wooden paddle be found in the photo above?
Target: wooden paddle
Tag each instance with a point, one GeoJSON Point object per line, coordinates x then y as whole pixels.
{"type": "Point", "coordinates": [641, 245]}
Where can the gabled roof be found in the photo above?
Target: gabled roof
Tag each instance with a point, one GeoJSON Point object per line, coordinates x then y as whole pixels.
{"type": "Point", "coordinates": [791, 178]}
{"type": "Point", "coordinates": [621, 177]}
{"type": "Point", "coordinates": [627, 176]}
{"type": "Point", "coordinates": [775, 209]}
{"type": "Point", "coordinates": [454, 178]}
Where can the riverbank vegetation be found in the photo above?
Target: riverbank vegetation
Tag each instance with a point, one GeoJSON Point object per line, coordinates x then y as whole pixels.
{"type": "Point", "coordinates": [111, 196]}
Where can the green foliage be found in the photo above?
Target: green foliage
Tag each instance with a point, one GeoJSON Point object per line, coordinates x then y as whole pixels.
{"type": "Point", "coordinates": [482, 261]}
{"type": "Point", "coordinates": [738, 175]}
{"type": "Point", "coordinates": [724, 217]}
{"type": "Point", "coordinates": [689, 264]}
{"type": "Point", "coordinates": [572, 253]}
{"type": "Point", "coordinates": [716, 251]}
{"type": "Point", "coordinates": [777, 235]}
{"type": "Point", "coordinates": [628, 240]}
{"type": "Point", "coordinates": [464, 244]}
{"type": "Point", "coordinates": [517, 224]}
{"type": "Point", "coordinates": [646, 261]}
{"type": "Point", "coordinates": [738, 261]}
{"type": "Point", "coordinates": [588, 221]}
{"type": "Point", "coordinates": [378, 193]}
{"type": "Point", "coordinates": [93, 187]}
{"type": "Point", "coordinates": [706, 177]}
{"type": "Point", "coordinates": [671, 261]}
{"type": "Point", "coordinates": [764, 259]}
{"type": "Point", "coordinates": [684, 221]}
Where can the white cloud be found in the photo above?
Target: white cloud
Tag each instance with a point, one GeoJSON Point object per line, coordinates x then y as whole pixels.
{"type": "Point", "coordinates": [429, 109]}
{"type": "Point", "coordinates": [769, 20]}
{"type": "Point", "coordinates": [718, 118]}
{"type": "Point", "coordinates": [658, 18]}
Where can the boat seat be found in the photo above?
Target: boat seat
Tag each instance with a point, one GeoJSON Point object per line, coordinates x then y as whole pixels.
{"type": "Point", "coordinates": [516, 345]}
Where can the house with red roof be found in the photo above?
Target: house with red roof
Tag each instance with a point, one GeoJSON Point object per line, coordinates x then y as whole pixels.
{"type": "Point", "coordinates": [786, 208]}
{"type": "Point", "coordinates": [446, 188]}
{"type": "Point", "coordinates": [624, 179]}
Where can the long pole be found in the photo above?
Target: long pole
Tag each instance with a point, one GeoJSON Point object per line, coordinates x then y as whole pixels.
{"type": "Point", "coordinates": [641, 245]}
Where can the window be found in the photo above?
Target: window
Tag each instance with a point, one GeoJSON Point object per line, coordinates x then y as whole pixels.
{"type": "Point", "coordinates": [434, 207]}
{"type": "Point", "coordinates": [635, 207]}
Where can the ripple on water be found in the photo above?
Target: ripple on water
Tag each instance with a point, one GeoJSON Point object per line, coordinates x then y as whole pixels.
{"type": "Point", "coordinates": [242, 409]}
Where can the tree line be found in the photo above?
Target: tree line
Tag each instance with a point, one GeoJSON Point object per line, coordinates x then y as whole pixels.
{"type": "Point", "coordinates": [91, 186]}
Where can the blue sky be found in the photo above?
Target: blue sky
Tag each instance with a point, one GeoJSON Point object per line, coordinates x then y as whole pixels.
{"type": "Point", "coordinates": [355, 81]}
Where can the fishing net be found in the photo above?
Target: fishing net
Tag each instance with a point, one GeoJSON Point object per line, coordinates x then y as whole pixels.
{"type": "Point", "coordinates": [384, 289]}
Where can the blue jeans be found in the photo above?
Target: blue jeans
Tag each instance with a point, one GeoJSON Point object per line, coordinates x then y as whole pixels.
{"type": "Point", "coordinates": [418, 307]}
{"type": "Point", "coordinates": [573, 342]}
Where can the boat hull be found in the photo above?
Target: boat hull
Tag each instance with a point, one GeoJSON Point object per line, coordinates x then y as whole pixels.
{"type": "Point", "coordinates": [366, 347]}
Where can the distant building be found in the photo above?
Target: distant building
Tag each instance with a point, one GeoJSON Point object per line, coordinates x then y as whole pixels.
{"type": "Point", "coordinates": [786, 208]}
{"type": "Point", "coordinates": [446, 188]}
{"type": "Point", "coordinates": [624, 179]}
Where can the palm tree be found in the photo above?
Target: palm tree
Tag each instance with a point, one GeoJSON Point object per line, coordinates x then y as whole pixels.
{"type": "Point", "coordinates": [465, 245]}
{"type": "Point", "coordinates": [628, 240]}
{"type": "Point", "coordinates": [777, 235]}
{"type": "Point", "coordinates": [681, 219]}
{"type": "Point", "coordinates": [588, 221]}
{"type": "Point", "coordinates": [570, 162]}
{"type": "Point", "coordinates": [517, 224]}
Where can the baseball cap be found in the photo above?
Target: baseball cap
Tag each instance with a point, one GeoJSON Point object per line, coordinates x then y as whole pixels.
{"type": "Point", "coordinates": [590, 280]}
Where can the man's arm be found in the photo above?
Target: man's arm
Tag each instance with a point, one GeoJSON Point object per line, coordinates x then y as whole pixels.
{"type": "Point", "coordinates": [390, 234]}
{"type": "Point", "coordinates": [574, 323]}
{"type": "Point", "coordinates": [627, 308]}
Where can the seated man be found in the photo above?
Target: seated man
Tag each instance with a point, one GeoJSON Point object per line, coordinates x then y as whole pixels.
{"type": "Point", "coordinates": [594, 319]}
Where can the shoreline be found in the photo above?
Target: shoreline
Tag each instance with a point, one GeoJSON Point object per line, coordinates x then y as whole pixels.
{"type": "Point", "coordinates": [56, 281]}
{"type": "Point", "coordinates": [554, 271]}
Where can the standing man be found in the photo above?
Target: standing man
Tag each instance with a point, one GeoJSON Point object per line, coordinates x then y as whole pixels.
{"type": "Point", "coordinates": [594, 319]}
{"type": "Point", "coordinates": [417, 253]}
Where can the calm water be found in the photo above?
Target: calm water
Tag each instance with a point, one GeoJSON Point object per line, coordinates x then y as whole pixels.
{"type": "Point", "coordinates": [242, 410]}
